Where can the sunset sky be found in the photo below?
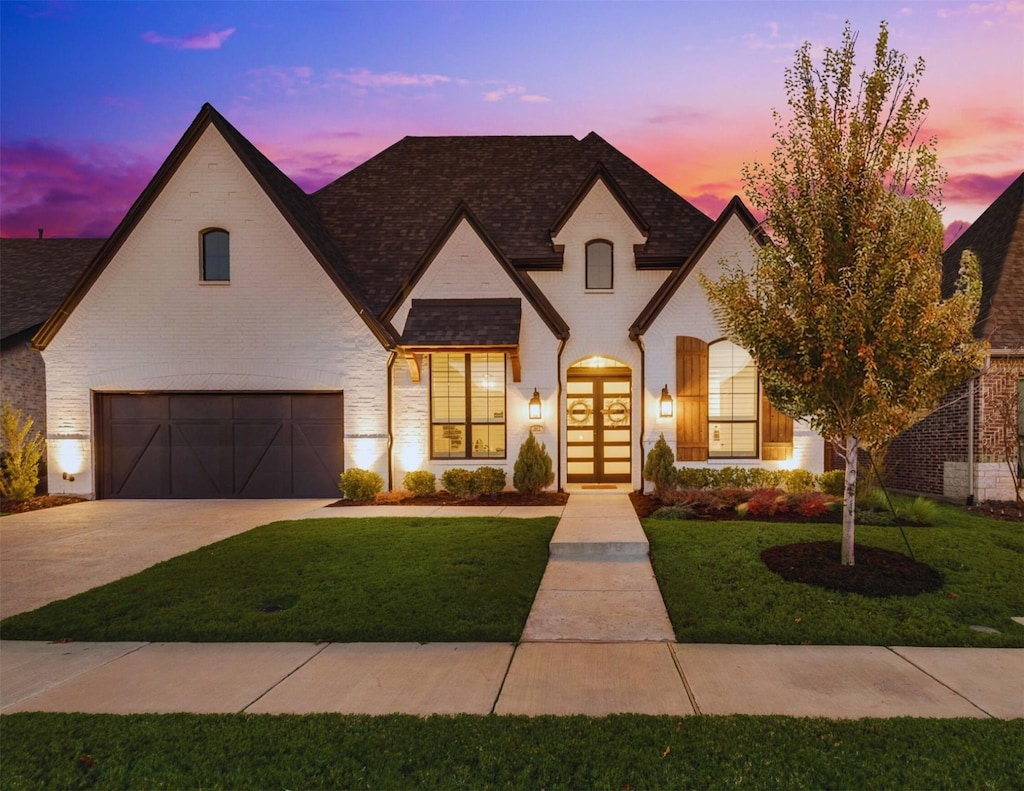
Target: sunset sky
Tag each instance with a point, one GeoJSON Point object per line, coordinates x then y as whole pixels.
{"type": "Point", "coordinates": [95, 94]}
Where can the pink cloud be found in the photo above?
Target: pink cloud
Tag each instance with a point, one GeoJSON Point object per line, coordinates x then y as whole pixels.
{"type": "Point", "coordinates": [80, 192]}
{"type": "Point", "coordinates": [208, 40]}
{"type": "Point", "coordinates": [976, 187]}
{"type": "Point", "coordinates": [364, 78]}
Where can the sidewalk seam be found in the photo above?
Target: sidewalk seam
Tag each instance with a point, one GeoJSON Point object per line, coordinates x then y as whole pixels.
{"type": "Point", "coordinates": [285, 677]}
{"type": "Point", "coordinates": [940, 682]}
{"type": "Point", "coordinates": [682, 677]}
{"type": "Point", "coordinates": [504, 677]}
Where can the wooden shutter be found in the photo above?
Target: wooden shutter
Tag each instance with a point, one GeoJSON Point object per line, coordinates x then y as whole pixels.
{"type": "Point", "coordinates": [776, 433]}
{"type": "Point", "coordinates": [691, 399]}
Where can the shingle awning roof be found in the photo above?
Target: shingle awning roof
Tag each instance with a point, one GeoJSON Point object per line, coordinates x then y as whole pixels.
{"type": "Point", "coordinates": [435, 325]}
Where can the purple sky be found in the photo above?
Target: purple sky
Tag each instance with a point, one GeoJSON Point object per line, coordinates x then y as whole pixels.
{"type": "Point", "coordinates": [94, 95]}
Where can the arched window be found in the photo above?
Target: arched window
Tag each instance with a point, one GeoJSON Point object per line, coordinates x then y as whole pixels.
{"type": "Point", "coordinates": [216, 255]}
{"type": "Point", "coordinates": [732, 402]}
{"type": "Point", "coordinates": [599, 264]}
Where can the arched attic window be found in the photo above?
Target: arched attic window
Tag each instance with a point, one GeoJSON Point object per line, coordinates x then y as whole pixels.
{"type": "Point", "coordinates": [216, 252]}
{"type": "Point", "coordinates": [599, 264]}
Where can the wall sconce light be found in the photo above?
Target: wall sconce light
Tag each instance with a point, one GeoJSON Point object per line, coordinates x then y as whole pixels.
{"type": "Point", "coordinates": [535, 413]}
{"type": "Point", "coordinates": [665, 403]}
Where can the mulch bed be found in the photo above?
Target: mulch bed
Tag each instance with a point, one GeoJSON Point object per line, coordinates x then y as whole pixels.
{"type": "Point", "coordinates": [1007, 510]}
{"type": "Point", "coordinates": [443, 498]}
{"type": "Point", "coordinates": [876, 573]}
{"type": "Point", "coordinates": [36, 503]}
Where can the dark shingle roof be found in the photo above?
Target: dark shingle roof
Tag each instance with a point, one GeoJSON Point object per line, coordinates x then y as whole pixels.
{"type": "Point", "coordinates": [384, 214]}
{"type": "Point", "coordinates": [463, 322]}
{"type": "Point", "coordinates": [37, 273]}
{"type": "Point", "coordinates": [997, 238]}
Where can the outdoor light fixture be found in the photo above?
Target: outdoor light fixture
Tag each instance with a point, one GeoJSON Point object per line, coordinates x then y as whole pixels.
{"type": "Point", "coordinates": [665, 402]}
{"type": "Point", "coordinates": [535, 405]}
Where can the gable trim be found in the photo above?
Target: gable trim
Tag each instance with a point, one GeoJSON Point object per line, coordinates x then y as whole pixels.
{"type": "Point", "coordinates": [672, 283]}
{"type": "Point", "coordinates": [529, 289]}
{"type": "Point", "coordinates": [600, 173]}
{"type": "Point", "coordinates": [239, 145]}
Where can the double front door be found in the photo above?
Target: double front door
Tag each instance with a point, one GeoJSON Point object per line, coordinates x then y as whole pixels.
{"type": "Point", "coordinates": [598, 428]}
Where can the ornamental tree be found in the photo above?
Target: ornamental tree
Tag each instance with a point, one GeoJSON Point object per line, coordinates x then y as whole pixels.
{"type": "Point", "coordinates": [843, 312]}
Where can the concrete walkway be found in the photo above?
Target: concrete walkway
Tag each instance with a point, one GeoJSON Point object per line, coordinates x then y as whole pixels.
{"type": "Point", "coordinates": [597, 642]}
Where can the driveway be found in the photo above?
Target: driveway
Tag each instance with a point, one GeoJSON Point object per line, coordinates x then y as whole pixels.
{"type": "Point", "coordinates": [57, 552]}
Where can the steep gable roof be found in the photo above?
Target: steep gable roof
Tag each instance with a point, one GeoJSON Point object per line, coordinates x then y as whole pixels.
{"type": "Point", "coordinates": [289, 199]}
{"type": "Point", "coordinates": [664, 294]}
{"type": "Point", "coordinates": [997, 238]}
{"type": "Point", "coordinates": [37, 273]}
{"type": "Point", "coordinates": [385, 213]}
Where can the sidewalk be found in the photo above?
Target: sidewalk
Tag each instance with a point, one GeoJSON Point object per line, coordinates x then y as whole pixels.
{"type": "Point", "coordinates": [597, 641]}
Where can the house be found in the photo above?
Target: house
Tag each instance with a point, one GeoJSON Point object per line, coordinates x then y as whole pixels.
{"type": "Point", "coordinates": [970, 446]}
{"type": "Point", "coordinates": [236, 337]}
{"type": "Point", "coordinates": [37, 273]}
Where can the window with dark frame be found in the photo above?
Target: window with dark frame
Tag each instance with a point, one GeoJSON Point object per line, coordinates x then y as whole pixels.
{"type": "Point", "coordinates": [732, 402]}
{"type": "Point", "coordinates": [467, 405]}
{"type": "Point", "coordinates": [216, 263]}
{"type": "Point", "coordinates": [599, 265]}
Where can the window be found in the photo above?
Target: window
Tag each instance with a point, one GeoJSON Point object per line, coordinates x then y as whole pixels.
{"type": "Point", "coordinates": [732, 402]}
{"type": "Point", "coordinates": [720, 409]}
{"type": "Point", "coordinates": [216, 256]}
{"type": "Point", "coordinates": [467, 406]}
{"type": "Point", "coordinates": [599, 264]}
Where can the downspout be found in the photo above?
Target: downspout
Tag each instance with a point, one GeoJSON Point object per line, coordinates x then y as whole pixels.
{"type": "Point", "coordinates": [638, 339]}
{"type": "Point", "coordinates": [392, 356]}
{"type": "Point", "coordinates": [558, 415]}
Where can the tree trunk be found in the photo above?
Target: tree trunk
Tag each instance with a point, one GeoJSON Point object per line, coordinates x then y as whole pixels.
{"type": "Point", "coordinates": [849, 499]}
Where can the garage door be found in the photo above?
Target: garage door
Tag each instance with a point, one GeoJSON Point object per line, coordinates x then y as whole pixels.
{"type": "Point", "coordinates": [218, 445]}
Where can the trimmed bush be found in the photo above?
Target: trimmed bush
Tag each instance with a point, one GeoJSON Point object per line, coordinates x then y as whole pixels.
{"type": "Point", "coordinates": [420, 482]}
{"type": "Point", "coordinates": [458, 482]}
{"type": "Point", "coordinates": [488, 480]}
{"type": "Point", "coordinates": [761, 478]}
{"type": "Point", "coordinates": [660, 467]}
{"type": "Point", "coordinates": [732, 478]}
{"type": "Point", "coordinates": [797, 480]}
{"type": "Point", "coordinates": [21, 452]}
{"type": "Point", "coordinates": [694, 478]}
{"type": "Point", "coordinates": [532, 471]}
{"type": "Point", "coordinates": [833, 482]}
{"type": "Point", "coordinates": [360, 485]}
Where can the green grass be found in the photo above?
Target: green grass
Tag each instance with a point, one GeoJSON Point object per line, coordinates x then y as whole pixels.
{"type": "Point", "coordinates": [348, 580]}
{"type": "Point", "coordinates": [717, 589]}
{"type": "Point", "coordinates": [403, 752]}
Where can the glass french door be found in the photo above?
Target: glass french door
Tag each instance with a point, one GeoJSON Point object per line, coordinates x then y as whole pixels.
{"type": "Point", "coordinates": [598, 429]}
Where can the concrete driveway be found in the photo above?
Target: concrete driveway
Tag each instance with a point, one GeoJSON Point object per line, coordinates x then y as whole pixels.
{"type": "Point", "coordinates": [57, 552]}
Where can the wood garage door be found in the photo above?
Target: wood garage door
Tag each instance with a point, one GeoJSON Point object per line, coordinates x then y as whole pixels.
{"type": "Point", "coordinates": [219, 445]}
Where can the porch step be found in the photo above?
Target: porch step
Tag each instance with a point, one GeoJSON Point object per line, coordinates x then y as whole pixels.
{"type": "Point", "coordinates": [598, 528]}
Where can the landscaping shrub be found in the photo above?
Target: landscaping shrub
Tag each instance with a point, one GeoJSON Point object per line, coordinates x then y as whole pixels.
{"type": "Point", "coordinates": [532, 471]}
{"type": "Point", "coordinates": [808, 503]}
{"type": "Point", "coordinates": [674, 512]}
{"type": "Point", "coordinates": [420, 482]}
{"type": "Point", "coordinates": [761, 478]}
{"type": "Point", "coordinates": [797, 480]}
{"type": "Point", "coordinates": [660, 467]}
{"type": "Point", "coordinates": [457, 481]}
{"type": "Point", "coordinates": [833, 482]}
{"type": "Point", "coordinates": [920, 511]}
{"type": "Point", "coordinates": [767, 502]}
{"type": "Point", "coordinates": [360, 485]}
{"type": "Point", "coordinates": [694, 478]}
{"type": "Point", "coordinates": [731, 478]}
{"type": "Point", "coordinates": [873, 500]}
{"type": "Point", "coordinates": [488, 480]}
{"type": "Point", "coordinates": [21, 452]}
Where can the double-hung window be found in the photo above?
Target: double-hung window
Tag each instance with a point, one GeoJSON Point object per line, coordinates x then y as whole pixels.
{"type": "Point", "coordinates": [732, 402]}
{"type": "Point", "coordinates": [467, 405]}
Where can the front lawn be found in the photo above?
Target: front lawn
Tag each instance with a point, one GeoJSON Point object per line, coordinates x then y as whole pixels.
{"type": "Point", "coordinates": [404, 752]}
{"type": "Point", "coordinates": [718, 590]}
{"type": "Point", "coordinates": [348, 580]}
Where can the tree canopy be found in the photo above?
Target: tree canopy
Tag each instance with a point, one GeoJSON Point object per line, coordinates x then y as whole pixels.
{"type": "Point", "coordinates": [843, 312]}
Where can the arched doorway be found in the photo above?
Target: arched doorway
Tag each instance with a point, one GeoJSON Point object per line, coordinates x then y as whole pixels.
{"type": "Point", "coordinates": [598, 409]}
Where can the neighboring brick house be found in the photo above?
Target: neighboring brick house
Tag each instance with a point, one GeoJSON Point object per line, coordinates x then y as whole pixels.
{"type": "Point", "coordinates": [236, 337]}
{"type": "Point", "coordinates": [966, 448]}
{"type": "Point", "coordinates": [37, 273]}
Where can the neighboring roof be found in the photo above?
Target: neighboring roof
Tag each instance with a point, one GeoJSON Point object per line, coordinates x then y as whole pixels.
{"type": "Point", "coordinates": [289, 199]}
{"type": "Point", "coordinates": [37, 273]}
{"type": "Point", "coordinates": [463, 322]}
{"type": "Point", "coordinates": [997, 238]}
{"type": "Point", "coordinates": [667, 290]}
{"type": "Point", "coordinates": [385, 213]}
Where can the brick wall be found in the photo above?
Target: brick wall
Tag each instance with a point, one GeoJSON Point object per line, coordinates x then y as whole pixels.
{"type": "Point", "coordinates": [23, 383]}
